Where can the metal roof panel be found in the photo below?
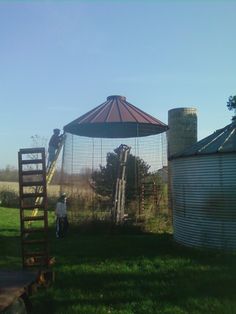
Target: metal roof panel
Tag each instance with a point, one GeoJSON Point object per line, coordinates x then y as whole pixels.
{"type": "Point", "coordinates": [221, 141]}
{"type": "Point", "coordinates": [116, 113]}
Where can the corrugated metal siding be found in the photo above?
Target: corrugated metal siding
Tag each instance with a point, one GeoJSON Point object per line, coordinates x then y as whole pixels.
{"type": "Point", "coordinates": [204, 200]}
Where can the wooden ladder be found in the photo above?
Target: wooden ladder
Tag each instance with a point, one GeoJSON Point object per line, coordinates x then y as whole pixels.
{"type": "Point", "coordinates": [33, 196]}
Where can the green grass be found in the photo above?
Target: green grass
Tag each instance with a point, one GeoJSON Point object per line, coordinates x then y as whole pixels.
{"type": "Point", "coordinates": [127, 274]}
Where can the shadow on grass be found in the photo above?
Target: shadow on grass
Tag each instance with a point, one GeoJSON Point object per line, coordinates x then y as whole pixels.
{"type": "Point", "coordinates": [137, 274]}
{"type": "Point", "coordinates": [10, 250]}
{"type": "Point", "coordinates": [129, 242]}
{"type": "Point", "coordinates": [130, 272]}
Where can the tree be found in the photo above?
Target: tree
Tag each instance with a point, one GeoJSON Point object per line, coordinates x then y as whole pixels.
{"type": "Point", "coordinates": [231, 103]}
{"type": "Point", "coordinates": [104, 179]}
{"type": "Point", "coordinates": [38, 141]}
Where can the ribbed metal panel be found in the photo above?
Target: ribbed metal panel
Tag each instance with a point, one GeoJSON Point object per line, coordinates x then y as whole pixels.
{"type": "Point", "coordinates": [221, 141]}
{"type": "Point", "coordinates": [116, 118]}
{"type": "Point", "coordinates": [204, 200]}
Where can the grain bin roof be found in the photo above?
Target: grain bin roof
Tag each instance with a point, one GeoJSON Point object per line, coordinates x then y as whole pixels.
{"type": "Point", "coordinates": [116, 118]}
{"type": "Point", "coordinates": [221, 141]}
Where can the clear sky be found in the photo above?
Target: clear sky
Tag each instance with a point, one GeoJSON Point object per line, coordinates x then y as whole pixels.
{"type": "Point", "coordinates": [60, 59]}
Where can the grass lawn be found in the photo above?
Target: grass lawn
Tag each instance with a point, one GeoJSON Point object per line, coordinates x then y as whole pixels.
{"type": "Point", "coordinates": [126, 274]}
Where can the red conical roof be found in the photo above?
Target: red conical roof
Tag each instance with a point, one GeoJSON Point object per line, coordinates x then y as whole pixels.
{"type": "Point", "coordinates": [116, 118]}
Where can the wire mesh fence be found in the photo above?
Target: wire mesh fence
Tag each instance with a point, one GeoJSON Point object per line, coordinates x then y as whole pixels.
{"type": "Point", "coordinates": [89, 175]}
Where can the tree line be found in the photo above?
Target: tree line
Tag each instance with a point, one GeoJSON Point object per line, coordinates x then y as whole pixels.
{"type": "Point", "coordinates": [10, 174]}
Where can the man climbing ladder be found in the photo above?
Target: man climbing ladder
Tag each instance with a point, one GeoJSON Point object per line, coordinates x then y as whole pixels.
{"type": "Point", "coordinates": [53, 146]}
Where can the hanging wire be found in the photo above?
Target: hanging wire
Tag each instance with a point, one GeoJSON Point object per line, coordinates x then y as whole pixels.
{"type": "Point", "coordinates": [92, 154]}
{"type": "Point", "coordinates": [62, 176]}
{"type": "Point", "coordinates": [137, 174]}
{"type": "Point", "coordinates": [93, 192]}
{"type": "Point", "coordinates": [72, 153]}
{"type": "Point", "coordinates": [101, 152]}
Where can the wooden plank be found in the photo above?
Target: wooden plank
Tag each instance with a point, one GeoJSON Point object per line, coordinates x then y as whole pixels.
{"type": "Point", "coordinates": [27, 195]}
{"type": "Point", "coordinates": [36, 264]}
{"type": "Point", "coordinates": [33, 218]}
{"type": "Point", "coordinates": [31, 172]}
{"type": "Point", "coordinates": [31, 161]}
{"type": "Point", "coordinates": [33, 183]}
{"type": "Point", "coordinates": [13, 284]}
{"type": "Point", "coordinates": [35, 254]}
{"type": "Point", "coordinates": [32, 230]}
{"type": "Point", "coordinates": [31, 150]}
{"type": "Point", "coordinates": [34, 241]}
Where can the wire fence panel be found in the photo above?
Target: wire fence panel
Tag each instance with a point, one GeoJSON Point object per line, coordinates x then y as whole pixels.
{"type": "Point", "coordinates": [90, 169]}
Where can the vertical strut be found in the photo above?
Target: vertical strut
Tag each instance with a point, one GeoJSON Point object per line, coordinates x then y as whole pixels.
{"type": "Point", "coordinates": [119, 201]}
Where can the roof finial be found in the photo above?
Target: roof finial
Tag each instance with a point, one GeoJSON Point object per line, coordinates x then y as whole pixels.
{"type": "Point", "coordinates": [116, 96]}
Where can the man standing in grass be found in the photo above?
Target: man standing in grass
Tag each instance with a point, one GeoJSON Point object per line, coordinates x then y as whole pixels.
{"type": "Point", "coordinates": [61, 216]}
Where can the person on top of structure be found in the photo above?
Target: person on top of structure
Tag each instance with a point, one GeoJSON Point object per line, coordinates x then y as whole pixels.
{"type": "Point", "coordinates": [53, 145]}
{"type": "Point", "coordinates": [61, 216]}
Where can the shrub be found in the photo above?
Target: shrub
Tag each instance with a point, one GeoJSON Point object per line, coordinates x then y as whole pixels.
{"type": "Point", "coordinates": [160, 223]}
{"type": "Point", "coordinates": [9, 198]}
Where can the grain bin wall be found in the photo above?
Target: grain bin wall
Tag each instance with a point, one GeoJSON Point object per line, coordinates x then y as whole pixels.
{"type": "Point", "coordinates": [204, 200]}
{"type": "Point", "coordinates": [182, 131]}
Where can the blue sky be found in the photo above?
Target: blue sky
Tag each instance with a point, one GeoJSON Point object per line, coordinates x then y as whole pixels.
{"type": "Point", "coordinates": [60, 59]}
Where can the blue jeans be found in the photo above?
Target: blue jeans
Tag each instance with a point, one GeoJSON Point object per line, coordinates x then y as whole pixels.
{"type": "Point", "coordinates": [61, 226]}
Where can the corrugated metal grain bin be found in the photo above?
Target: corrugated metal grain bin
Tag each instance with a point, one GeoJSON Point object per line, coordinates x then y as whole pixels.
{"type": "Point", "coordinates": [204, 192]}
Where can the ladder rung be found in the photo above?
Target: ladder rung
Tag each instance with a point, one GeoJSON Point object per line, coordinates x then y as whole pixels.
{"type": "Point", "coordinates": [31, 161]}
{"type": "Point", "coordinates": [31, 172]}
{"type": "Point", "coordinates": [44, 264]}
{"type": "Point", "coordinates": [33, 218]}
{"type": "Point", "coordinates": [32, 230]}
{"type": "Point", "coordinates": [34, 241]}
{"type": "Point", "coordinates": [26, 195]}
{"type": "Point", "coordinates": [33, 183]}
{"type": "Point", "coordinates": [31, 150]}
{"type": "Point", "coordinates": [35, 254]}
